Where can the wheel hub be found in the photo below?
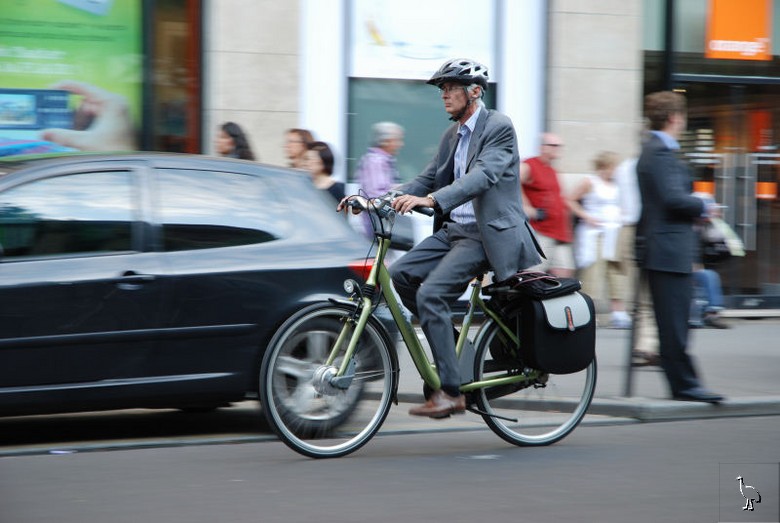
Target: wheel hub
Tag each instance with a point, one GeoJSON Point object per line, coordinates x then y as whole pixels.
{"type": "Point", "coordinates": [323, 378]}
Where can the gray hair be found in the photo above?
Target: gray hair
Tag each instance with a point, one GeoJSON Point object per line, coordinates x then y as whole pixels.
{"type": "Point", "coordinates": [471, 87]}
{"type": "Point", "coordinates": [383, 131]}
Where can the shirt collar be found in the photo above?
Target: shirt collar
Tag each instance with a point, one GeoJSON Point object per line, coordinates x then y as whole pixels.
{"type": "Point", "coordinates": [667, 139]}
{"type": "Point", "coordinates": [471, 123]}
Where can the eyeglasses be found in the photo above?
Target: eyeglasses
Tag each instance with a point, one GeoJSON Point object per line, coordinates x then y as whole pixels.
{"type": "Point", "coordinates": [450, 89]}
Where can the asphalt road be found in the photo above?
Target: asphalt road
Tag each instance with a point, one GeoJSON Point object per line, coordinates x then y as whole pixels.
{"type": "Point", "coordinates": [629, 473]}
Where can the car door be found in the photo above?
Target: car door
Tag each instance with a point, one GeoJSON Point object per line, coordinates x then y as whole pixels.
{"type": "Point", "coordinates": [217, 230]}
{"type": "Point", "coordinates": [79, 299]}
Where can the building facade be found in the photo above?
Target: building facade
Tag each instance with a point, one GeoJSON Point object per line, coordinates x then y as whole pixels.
{"type": "Point", "coordinates": [579, 68]}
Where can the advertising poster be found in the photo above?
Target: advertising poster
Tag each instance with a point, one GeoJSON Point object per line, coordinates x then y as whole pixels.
{"type": "Point", "coordinates": [739, 30]}
{"type": "Point", "coordinates": [70, 75]}
{"type": "Point", "coordinates": [410, 39]}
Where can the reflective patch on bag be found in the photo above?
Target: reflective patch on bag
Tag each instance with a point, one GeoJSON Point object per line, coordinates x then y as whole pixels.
{"type": "Point", "coordinates": [568, 312]}
{"type": "Point", "coordinates": [558, 335]}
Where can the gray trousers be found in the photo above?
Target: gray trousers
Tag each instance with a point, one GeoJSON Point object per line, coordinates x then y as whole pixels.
{"type": "Point", "coordinates": [430, 278]}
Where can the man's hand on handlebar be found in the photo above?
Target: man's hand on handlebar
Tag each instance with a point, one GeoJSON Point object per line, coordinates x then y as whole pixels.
{"type": "Point", "coordinates": [358, 203]}
{"type": "Point", "coordinates": [387, 204]}
{"type": "Point", "coordinates": [407, 202]}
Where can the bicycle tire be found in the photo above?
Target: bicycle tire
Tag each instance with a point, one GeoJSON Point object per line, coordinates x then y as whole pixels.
{"type": "Point", "coordinates": [540, 411]}
{"type": "Point", "coordinates": [326, 422]}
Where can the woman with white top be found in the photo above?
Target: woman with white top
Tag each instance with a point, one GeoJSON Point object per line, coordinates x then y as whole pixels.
{"type": "Point", "coordinates": [596, 202]}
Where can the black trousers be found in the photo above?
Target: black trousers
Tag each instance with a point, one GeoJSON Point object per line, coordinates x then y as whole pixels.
{"type": "Point", "coordinates": [672, 293]}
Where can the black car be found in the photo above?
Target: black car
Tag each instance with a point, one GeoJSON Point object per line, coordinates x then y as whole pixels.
{"type": "Point", "coordinates": [155, 280]}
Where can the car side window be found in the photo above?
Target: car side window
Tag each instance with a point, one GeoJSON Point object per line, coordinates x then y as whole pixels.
{"type": "Point", "coordinates": [84, 213]}
{"type": "Point", "coordinates": [210, 209]}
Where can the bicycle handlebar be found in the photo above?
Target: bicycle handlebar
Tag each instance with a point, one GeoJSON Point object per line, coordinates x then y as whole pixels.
{"type": "Point", "coordinates": [382, 205]}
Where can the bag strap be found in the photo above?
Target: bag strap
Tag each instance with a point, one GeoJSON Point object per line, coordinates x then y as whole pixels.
{"type": "Point", "coordinates": [524, 277]}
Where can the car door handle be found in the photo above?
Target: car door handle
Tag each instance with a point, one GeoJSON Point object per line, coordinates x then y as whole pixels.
{"type": "Point", "coordinates": [131, 280]}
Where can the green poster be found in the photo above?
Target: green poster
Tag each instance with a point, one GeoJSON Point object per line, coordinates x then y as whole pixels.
{"type": "Point", "coordinates": [70, 65]}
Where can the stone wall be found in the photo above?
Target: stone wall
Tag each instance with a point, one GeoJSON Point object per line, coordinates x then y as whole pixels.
{"type": "Point", "coordinates": [594, 79]}
{"type": "Point", "coordinates": [251, 51]}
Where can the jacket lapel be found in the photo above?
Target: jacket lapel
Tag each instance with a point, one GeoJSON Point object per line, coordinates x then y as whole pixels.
{"type": "Point", "coordinates": [481, 121]}
{"type": "Point", "coordinates": [446, 173]}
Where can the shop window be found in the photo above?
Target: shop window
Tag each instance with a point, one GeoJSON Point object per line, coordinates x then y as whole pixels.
{"type": "Point", "coordinates": [412, 104]}
{"type": "Point", "coordinates": [173, 123]}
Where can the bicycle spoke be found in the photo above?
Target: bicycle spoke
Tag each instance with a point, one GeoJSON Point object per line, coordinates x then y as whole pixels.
{"type": "Point", "coordinates": [302, 398]}
{"type": "Point", "coordinates": [369, 375]}
{"type": "Point", "coordinates": [539, 411]}
{"type": "Point", "coordinates": [308, 412]}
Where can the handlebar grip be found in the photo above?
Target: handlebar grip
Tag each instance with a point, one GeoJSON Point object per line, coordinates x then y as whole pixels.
{"type": "Point", "coordinates": [427, 211]}
{"type": "Point", "coordinates": [354, 202]}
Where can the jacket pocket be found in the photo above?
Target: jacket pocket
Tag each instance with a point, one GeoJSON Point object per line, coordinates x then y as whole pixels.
{"type": "Point", "coordinates": [503, 222]}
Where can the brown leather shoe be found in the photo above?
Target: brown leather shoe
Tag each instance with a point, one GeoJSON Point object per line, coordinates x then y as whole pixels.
{"type": "Point", "coordinates": [440, 405]}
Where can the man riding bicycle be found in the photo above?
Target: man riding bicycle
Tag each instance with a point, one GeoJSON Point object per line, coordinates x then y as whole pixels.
{"type": "Point", "coordinates": [473, 186]}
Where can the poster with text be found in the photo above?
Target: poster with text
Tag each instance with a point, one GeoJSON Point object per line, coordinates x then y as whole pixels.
{"type": "Point", "coordinates": [70, 75]}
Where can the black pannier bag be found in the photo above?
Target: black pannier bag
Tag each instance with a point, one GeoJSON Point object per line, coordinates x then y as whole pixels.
{"type": "Point", "coordinates": [557, 322]}
{"type": "Point", "coordinates": [558, 335]}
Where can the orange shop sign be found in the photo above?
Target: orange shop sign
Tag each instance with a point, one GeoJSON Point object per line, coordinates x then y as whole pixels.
{"type": "Point", "coordinates": [739, 30]}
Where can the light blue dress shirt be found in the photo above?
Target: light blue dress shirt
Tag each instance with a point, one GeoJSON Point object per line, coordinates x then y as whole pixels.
{"type": "Point", "coordinates": [464, 214]}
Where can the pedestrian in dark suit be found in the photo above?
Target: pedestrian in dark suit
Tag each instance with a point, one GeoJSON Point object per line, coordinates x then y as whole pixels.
{"type": "Point", "coordinates": [666, 242]}
{"type": "Point", "coordinates": [472, 184]}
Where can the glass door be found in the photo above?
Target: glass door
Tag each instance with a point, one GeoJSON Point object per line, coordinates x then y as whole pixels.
{"type": "Point", "coordinates": [733, 145]}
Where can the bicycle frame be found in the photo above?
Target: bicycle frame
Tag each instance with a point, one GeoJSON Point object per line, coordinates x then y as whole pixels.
{"type": "Point", "coordinates": [314, 401]}
{"type": "Point", "coordinates": [427, 370]}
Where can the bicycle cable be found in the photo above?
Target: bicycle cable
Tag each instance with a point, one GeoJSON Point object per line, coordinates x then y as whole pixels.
{"type": "Point", "coordinates": [373, 218]}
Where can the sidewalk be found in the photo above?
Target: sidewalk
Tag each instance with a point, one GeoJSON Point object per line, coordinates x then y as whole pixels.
{"type": "Point", "coordinates": [742, 363]}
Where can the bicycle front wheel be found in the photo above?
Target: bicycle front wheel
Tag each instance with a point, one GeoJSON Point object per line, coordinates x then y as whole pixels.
{"type": "Point", "coordinates": [541, 409]}
{"type": "Point", "coordinates": [310, 412]}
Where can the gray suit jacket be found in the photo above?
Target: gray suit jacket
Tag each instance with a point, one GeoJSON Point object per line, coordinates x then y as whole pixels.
{"type": "Point", "coordinates": [492, 182]}
{"type": "Point", "coordinates": [665, 239]}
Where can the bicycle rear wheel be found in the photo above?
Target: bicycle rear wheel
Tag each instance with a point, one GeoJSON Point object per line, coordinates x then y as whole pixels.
{"type": "Point", "coordinates": [306, 410]}
{"type": "Point", "coordinates": [538, 411]}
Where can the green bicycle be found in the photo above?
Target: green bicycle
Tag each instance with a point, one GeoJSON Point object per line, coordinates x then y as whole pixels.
{"type": "Point", "coordinates": [330, 373]}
